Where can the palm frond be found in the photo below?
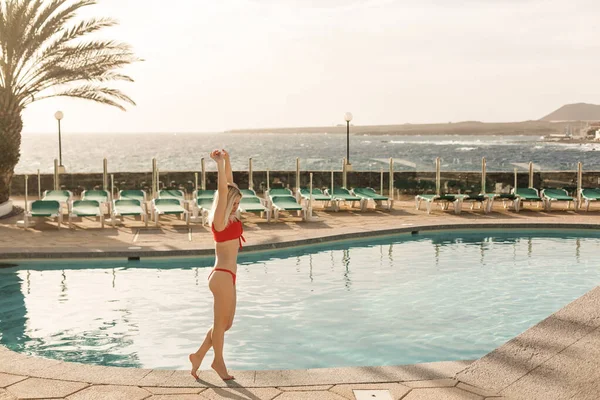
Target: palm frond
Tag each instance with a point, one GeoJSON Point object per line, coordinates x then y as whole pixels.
{"type": "Point", "coordinates": [100, 94]}
{"type": "Point", "coordinates": [91, 63]}
{"type": "Point", "coordinates": [64, 55]}
{"type": "Point", "coordinates": [49, 50]}
{"type": "Point", "coordinates": [49, 25]}
{"type": "Point", "coordinates": [41, 49]}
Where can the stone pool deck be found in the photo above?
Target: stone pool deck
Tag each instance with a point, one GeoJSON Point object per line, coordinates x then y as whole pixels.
{"type": "Point", "coordinates": [174, 238]}
{"type": "Point", "coordinates": [557, 359]}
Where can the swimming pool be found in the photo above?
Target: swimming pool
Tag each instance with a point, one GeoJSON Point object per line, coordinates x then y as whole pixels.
{"type": "Point", "coordinates": [394, 300]}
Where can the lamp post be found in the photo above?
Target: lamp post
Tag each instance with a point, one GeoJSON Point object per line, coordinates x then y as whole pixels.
{"type": "Point", "coordinates": [59, 115]}
{"type": "Point", "coordinates": [348, 118]}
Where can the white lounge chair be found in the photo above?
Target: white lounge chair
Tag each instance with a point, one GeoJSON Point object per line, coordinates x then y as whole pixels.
{"type": "Point", "coordinates": [86, 208]}
{"type": "Point", "coordinates": [588, 196]}
{"type": "Point", "coordinates": [128, 208]}
{"type": "Point", "coordinates": [250, 204]}
{"type": "Point", "coordinates": [287, 203]}
{"type": "Point", "coordinates": [169, 207]}
{"type": "Point", "coordinates": [64, 197]}
{"type": "Point", "coordinates": [44, 209]}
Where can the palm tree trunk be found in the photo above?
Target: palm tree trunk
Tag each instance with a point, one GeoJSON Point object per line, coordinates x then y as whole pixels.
{"type": "Point", "coordinates": [11, 126]}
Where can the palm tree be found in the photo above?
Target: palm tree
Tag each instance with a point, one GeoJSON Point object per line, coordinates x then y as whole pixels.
{"type": "Point", "coordinates": [44, 54]}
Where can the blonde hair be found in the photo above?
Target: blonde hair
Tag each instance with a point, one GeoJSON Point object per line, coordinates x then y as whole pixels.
{"type": "Point", "coordinates": [233, 195]}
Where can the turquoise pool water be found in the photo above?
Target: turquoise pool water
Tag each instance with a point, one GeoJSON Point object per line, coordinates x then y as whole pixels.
{"type": "Point", "coordinates": [386, 301]}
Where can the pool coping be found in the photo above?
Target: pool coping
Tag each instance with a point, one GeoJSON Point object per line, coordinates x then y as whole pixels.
{"type": "Point", "coordinates": [285, 244]}
{"type": "Point", "coordinates": [19, 364]}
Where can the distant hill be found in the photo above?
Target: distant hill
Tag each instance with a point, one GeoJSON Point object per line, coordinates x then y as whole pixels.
{"type": "Point", "coordinates": [575, 112]}
{"type": "Point", "coordinates": [536, 128]}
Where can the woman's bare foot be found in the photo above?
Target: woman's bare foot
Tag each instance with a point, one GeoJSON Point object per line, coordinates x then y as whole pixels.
{"type": "Point", "coordinates": [221, 369]}
{"type": "Point", "coordinates": [196, 360]}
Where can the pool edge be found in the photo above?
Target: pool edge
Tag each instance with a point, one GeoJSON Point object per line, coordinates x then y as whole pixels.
{"type": "Point", "coordinates": [209, 252]}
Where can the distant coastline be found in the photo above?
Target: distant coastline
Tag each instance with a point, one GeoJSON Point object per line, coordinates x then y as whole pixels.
{"type": "Point", "coordinates": [530, 128]}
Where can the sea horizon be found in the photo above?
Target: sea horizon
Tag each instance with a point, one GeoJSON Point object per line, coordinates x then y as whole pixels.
{"type": "Point", "coordinates": [277, 151]}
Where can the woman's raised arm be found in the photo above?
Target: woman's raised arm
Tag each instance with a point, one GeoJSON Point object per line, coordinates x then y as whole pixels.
{"type": "Point", "coordinates": [228, 169]}
{"type": "Point", "coordinates": [219, 217]}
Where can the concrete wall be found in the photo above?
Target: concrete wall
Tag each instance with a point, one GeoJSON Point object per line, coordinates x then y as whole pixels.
{"type": "Point", "coordinates": [406, 182]}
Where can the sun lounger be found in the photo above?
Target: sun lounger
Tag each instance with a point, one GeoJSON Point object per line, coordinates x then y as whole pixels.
{"type": "Point", "coordinates": [342, 194]}
{"type": "Point", "coordinates": [132, 194]}
{"type": "Point", "coordinates": [254, 205]}
{"type": "Point", "coordinates": [202, 207]}
{"type": "Point", "coordinates": [44, 209]}
{"type": "Point", "coordinates": [101, 196]}
{"type": "Point", "coordinates": [589, 195]}
{"type": "Point", "coordinates": [279, 192]}
{"type": "Point", "coordinates": [86, 208]}
{"type": "Point", "coordinates": [204, 194]}
{"type": "Point", "coordinates": [506, 198]}
{"type": "Point", "coordinates": [248, 193]}
{"type": "Point", "coordinates": [317, 195]}
{"type": "Point", "coordinates": [551, 195]}
{"type": "Point", "coordinates": [473, 198]}
{"type": "Point", "coordinates": [175, 194]}
{"type": "Point", "coordinates": [169, 206]}
{"type": "Point", "coordinates": [444, 201]}
{"type": "Point", "coordinates": [287, 203]}
{"type": "Point", "coordinates": [128, 207]}
{"type": "Point", "coordinates": [530, 195]}
{"type": "Point", "coordinates": [139, 195]}
{"type": "Point", "coordinates": [172, 194]}
{"type": "Point", "coordinates": [368, 193]}
{"type": "Point", "coordinates": [62, 196]}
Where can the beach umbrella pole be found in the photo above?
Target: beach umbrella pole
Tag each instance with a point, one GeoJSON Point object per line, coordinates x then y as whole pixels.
{"type": "Point", "coordinates": [530, 174]}
{"type": "Point", "coordinates": [39, 185]}
{"type": "Point", "coordinates": [391, 183]}
{"type": "Point", "coordinates": [195, 181]}
{"type": "Point", "coordinates": [579, 181]}
{"type": "Point", "coordinates": [483, 174]}
{"type": "Point", "coordinates": [332, 184]}
{"type": "Point", "coordinates": [381, 183]}
{"type": "Point", "coordinates": [154, 178]}
{"type": "Point", "coordinates": [250, 177]}
{"type": "Point", "coordinates": [203, 173]}
{"type": "Point", "coordinates": [309, 214]}
{"type": "Point", "coordinates": [268, 184]}
{"type": "Point", "coordinates": [157, 181]}
{"type": "Point", "coordinates": [437, 176]}
{"type": "Point", "coordinates": [105, 174]}
{"type": "Point", "coordinates": [26, 194]}
{"type": "Point", "coordinates": [515, 185]}
{"type": "Point", "coordinates": [112, 185]}
{"type": "Point", "coordinates": [112, 196]}
{"type": "Point", "coordinates": [297, 175]}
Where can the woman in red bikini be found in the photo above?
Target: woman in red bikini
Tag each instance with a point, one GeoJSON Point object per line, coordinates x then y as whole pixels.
{"type": "Point", "coordinates": [227, 231]}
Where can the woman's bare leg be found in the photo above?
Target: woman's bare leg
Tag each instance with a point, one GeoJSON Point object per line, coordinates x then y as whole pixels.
{"type": "Point", "coordinates": [234, 307]}
{"type": "Point", "coordinates": [224, 292]}
{"type": "Point", "coordinates": [197, 357]}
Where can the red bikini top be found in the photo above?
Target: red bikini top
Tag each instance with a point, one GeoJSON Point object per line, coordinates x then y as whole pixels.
{"type": "Point", "coordinates": [232, 231]}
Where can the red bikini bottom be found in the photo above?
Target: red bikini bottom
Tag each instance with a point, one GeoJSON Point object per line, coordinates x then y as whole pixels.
{"type": "Point", "coordinates": [223, 270]}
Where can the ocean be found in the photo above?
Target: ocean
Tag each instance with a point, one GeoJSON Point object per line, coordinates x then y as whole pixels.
{"type": "Point", "coordinates": [83, 153]}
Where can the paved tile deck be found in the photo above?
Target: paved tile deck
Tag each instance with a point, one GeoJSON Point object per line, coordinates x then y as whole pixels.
{"type": "Point", "coordinates": [174, 237]}
{"type": "Point", "coordinates": [563, 348]}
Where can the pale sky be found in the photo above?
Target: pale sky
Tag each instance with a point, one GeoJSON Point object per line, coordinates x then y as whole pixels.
{"type": "Point", "coordinates": [213, 65]}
